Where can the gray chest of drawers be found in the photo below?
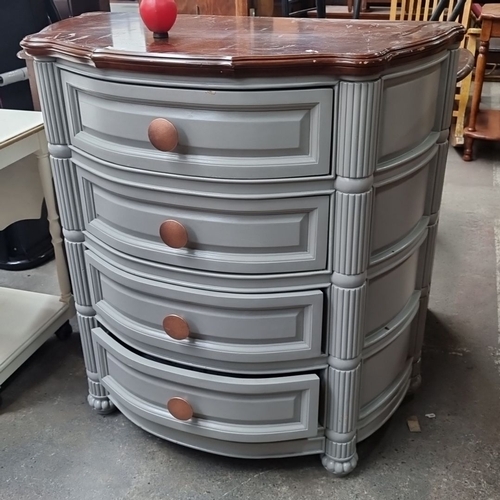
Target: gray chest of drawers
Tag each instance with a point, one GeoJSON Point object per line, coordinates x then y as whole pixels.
{"type": "Point", "coordinates": [250, 239]}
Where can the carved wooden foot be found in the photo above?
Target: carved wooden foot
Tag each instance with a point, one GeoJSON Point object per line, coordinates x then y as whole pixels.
{"type": "Point", "coordinates": [101, 404]}
{"type": "Point", "coordinates": [98, 396]}
{"type": "Point", "coordinates": [337, 467]}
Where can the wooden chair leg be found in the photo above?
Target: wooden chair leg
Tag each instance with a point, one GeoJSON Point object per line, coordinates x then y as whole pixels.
{"type": "Point", "coordinates": [462, 108]}
{"type": "Point", "coordinates": [476, 97]}
{"type": "Point", "coordinates": [468, 144]}
{"type": "Point", "coordinates": [465, 86]}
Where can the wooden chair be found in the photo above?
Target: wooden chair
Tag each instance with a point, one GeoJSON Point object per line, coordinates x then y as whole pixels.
{"type": "Point", "coordinates": [214, 7]}
{"type": "Point", "coordinates": [70, 8]}
{"type": "Point", "coordinates": [302, 7]}
{"type": "Point", "coordinates": [426, 10]}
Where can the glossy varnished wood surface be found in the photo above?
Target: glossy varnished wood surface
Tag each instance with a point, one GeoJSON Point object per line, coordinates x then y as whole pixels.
{"type": "Point", "coordinates": [487, 126]}
{"type": "Point", "coordinates": [242, 46]}
{"type": "Point", "coordinates": [491, 11]}
{"type": "Point", "coordinates": [214, 7]}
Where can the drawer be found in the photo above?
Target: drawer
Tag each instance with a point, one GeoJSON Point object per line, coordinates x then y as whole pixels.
{"type": "Point", "coordinates": [386, 353]}
{"type": "Point", "coordinates": [398, 133]}
{"type": "Point", "coordinates": [218, 134]}
{"type": "Point", "coordinates": [239, 332]}
{"type": "Point", "coordinates": [399, 206]}
{"type": "Point", "coordinates": [390, 290]}
{"type": "Point", "coordinates": [225, 408]}
{"type": "Point", "coordinates": [228, 236]}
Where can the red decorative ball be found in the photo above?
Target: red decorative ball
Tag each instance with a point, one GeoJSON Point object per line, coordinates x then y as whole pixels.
{"type": "Point", "coordinates": [158, 15]}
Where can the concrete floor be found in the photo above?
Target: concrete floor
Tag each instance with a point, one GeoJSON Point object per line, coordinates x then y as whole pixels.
{"type": "Point", "coordinates": [53, 447]}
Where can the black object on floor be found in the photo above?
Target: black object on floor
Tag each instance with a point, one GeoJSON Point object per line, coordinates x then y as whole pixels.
{"type": "Point", "coordinates": [26, 244]}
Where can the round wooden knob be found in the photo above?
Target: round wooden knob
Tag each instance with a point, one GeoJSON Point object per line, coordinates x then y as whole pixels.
{"type": "Point", "coordinates": [180, 409]}
{"type": "Point", "coordinates": [163, 134]}
{"type": "Point", "coordinates": [173, 234]}
{"type": "Point", "coordinates": [176, 327]}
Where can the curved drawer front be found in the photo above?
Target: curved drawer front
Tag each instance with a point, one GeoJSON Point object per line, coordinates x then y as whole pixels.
{"type": "Point", "coordinates": [386, 353]}
{"type": "Point", "coordinates": [229, 236]}
{"type": "Point", "coordinates": [223, 134]}
{"type": "Point", "coordinates": [389, 291]}
{"type": "Point", "coordinates": [380, 371]}
{"type": "Point", "coordinates": [226, 408]}
{"type": "Point", "coordinates": [398, 207]}
{"type": "Point", "coordinates": [217, 328]}
{"type": "Point", "coordinates": [400, 134]}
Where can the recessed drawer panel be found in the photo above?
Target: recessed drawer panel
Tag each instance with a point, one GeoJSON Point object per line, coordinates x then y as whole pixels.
{"type": "Point", "coordinates": [206, 328]}
{"type": "Point", "coordinates": [389, 291]}
{"type": "Point", "coordinates": [406, 122]}
{"type": "Point", "coordinates": [229, 236]}
{"type": "Point", "coordinates": [386, 352]}
{"type": "Point", "coordinates": [380, 370]}
{"type": "Point", "coordinates": [226, 408]}
{"type": "Point", "coordinates": [398, 207]}
{"type": "Point", "coordinates": [221, 134]}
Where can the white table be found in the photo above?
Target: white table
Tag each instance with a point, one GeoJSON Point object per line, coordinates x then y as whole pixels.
{"type": "Point", "coordinates": [28, 319]}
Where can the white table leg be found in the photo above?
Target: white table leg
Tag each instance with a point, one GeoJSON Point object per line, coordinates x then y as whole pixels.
{"type": "Point", "coordinates": [53, 217]}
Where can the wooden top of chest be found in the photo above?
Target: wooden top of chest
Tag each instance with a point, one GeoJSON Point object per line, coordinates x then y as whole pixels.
{"type": "Point", "coordinates": [242, 46]}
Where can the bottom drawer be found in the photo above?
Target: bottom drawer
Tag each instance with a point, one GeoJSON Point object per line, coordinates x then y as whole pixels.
{"type": "Point", "coordinates": [225, 408]}
{"type": "Point", "coordinates": [386, 353]}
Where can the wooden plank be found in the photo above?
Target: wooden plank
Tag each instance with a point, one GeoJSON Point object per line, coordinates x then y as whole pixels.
{"type": "Point", "coordinates": [413, 424]}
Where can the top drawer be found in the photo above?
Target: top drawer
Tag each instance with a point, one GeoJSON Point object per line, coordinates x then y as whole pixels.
{"type": "Point", "coordinates": [256, 134]}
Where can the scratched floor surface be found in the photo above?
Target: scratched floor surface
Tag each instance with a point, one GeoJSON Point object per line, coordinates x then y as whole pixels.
{"type": "Point", "coordinates": [53, 447]}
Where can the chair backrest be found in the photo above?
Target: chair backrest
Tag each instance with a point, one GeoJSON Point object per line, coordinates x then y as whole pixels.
{"type": "Point", "coordinates": [421, 10]}
{"type": "Point", "coordinates": [62, 9]}
{"type": "Point", "coordinates": [300, 8]}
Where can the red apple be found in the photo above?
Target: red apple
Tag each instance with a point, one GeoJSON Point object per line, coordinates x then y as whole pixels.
{"type": "Point", "coordinates": [158, 15]}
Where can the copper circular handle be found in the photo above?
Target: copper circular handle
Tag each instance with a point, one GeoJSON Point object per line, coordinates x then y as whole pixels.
{"type": "Point", "coordinates": [163, 134]}
{"type": "Point", "coordinates": [173, 234]}
{"type": "Point", "coordinates": [176, 327]}
{"type": "Point", "coordinates": [180, 409]}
